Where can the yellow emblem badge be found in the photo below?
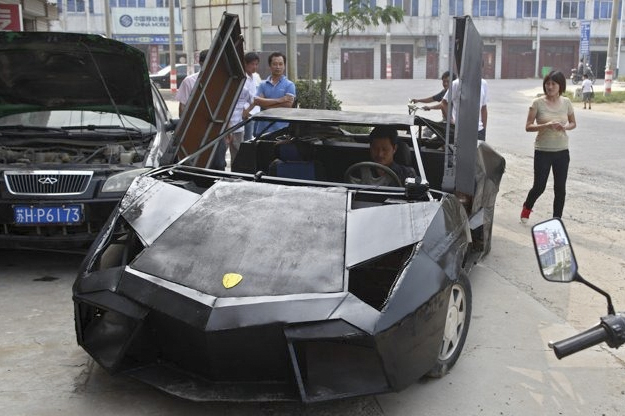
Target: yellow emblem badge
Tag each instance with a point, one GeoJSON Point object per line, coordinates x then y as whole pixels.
{"type": "Point", "coordinates": [230, 280]}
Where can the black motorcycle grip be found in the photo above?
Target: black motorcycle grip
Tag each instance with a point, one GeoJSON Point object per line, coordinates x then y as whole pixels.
{"type": "Point", "coordinates": [581, 341]}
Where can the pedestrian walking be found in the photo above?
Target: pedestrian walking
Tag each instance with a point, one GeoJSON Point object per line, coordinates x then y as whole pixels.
{"type": "Point", "coordinates": [587, 91]}
{"type": "Point", "coordinates": [550, 116]}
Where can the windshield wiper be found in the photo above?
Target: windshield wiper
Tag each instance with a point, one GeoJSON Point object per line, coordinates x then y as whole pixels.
{"type": "Point", "coordinates": [93, 127]}
{"type": "Point", "coordinates": [27, 129]}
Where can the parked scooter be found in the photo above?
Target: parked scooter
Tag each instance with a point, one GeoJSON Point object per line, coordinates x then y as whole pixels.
{"type": "Point", "coordinates": [557, 264]}
{"type": "Point", "coordinates": [577, 76]}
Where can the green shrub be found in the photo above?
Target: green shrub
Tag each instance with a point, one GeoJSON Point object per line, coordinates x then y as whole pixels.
{"type": "Point", "coordinates": [309, 95]}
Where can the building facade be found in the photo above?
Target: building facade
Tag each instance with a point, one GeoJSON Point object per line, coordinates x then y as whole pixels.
{"type": "Point", "coordinates": [522, 38]}
{"type": "Point", "coordinates": [27, 15]}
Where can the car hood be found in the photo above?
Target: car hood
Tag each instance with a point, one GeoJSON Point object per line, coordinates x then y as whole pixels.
{"type": "Point", "coordinates": [47, 71]}
{"type": "Point", "coordinates": [280, 240]}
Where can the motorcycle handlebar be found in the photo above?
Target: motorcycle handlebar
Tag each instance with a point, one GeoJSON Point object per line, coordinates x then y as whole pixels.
{"type": "Point", "coordinates": [611, 329]}
{"type": "Point", "coordinates": [581, 341]}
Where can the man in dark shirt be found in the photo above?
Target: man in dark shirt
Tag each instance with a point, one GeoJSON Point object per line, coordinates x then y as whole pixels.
{"type": "Point", "coordinates": [436, 98]}
{"type": "Point", "coordinates": [383, 146]}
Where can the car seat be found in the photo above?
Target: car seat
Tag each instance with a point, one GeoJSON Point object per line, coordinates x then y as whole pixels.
{"type": "Point", "coordinates": [294, 159]}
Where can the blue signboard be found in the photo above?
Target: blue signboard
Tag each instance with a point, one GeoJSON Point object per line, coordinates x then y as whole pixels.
{"type": "Point", "coordinates": [584, 40]}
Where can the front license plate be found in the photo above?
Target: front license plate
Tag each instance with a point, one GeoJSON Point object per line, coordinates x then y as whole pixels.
{"type": "Point", "coordinates": [64, 214]}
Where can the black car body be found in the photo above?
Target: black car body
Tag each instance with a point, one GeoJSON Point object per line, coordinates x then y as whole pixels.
{"type": "Point", "coordinates": [162, 78]}
{"type": "Point", "coordinates": [79, 119]}
{"type": "Point", "coordinates": [281, 280]}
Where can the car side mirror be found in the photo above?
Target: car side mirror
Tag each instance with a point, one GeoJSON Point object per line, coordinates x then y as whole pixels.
{"type": "Point", "coordinates": [554, 252]}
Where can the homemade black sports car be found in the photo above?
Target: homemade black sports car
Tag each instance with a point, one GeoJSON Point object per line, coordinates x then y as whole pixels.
{"type": "Point", "coordinates": [292, 277]}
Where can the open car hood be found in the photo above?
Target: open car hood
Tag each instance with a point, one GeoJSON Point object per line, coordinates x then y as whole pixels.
{"type": "Point", "coordinates": [47, 71]}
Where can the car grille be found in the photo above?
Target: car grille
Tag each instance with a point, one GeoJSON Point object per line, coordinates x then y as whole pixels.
{"type": "Point", "coordinates": [47, 182]}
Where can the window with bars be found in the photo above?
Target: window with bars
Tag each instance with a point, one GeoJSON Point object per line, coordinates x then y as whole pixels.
{"type": "Point", "coordinates": [456, 7]}
{"type": "Point", "coordinates": [370, 3]}
{"type": "Point", "coordinates": [488, 8]}
{"type": "Point", "coordinates": [159, 3]}
{"type": "Point", "coordinates": [570, 9]}
{"type": "Point", "coordinates": [76, 6]}
{"type": "Point", "coordinates": [410, 7]}
{"type": "Point", "coordinates": [304, 7]}
{"type": "Point", "coordinates": [603, 9]}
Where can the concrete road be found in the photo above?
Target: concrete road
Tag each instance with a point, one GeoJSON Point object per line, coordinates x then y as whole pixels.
{"type": "Point", "coordinates": [506, 367]}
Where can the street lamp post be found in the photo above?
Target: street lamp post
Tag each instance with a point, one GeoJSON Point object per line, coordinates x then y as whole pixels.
{"type": "Point", "coordinates": [537, 41]}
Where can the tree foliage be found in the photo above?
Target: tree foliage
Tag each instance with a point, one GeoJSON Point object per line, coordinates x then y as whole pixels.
{"type": "Point", "coordinates": [309, 96]}
{"type": "Point", "coordinates": [359, 16]}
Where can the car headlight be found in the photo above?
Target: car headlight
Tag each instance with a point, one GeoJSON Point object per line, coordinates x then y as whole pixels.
{"type": "Point", "coordinates": [121, 181]}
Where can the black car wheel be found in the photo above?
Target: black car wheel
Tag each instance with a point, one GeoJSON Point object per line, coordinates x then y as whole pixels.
{"type": "Point", "coordinates": [456, 327]}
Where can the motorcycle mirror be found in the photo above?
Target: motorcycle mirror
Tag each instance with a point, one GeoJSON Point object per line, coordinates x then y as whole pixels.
{"type": "Point", "coordinates": [554, 252]}
{"type": "Point", "coordinates": [556, 259]}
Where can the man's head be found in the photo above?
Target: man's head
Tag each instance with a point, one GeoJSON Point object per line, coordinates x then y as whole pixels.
{"type": "Point", "coordinates": [277, 63]}
{"type": "Point", "coordinates": [445, 79]}
{"type": "Point", "coordinates": [250, 61]}
{"type": "Point", "coordinates": [383, 145]}
{"type": "Point", "coordinates": [202, 57]}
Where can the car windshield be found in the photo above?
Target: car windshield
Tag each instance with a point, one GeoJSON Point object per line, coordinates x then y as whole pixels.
{"type": "Point", "coordinates": [76, 119]}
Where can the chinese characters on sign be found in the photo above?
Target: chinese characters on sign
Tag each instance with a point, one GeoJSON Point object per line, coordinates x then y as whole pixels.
{"type": "Point", "coordinates": [584, 41]}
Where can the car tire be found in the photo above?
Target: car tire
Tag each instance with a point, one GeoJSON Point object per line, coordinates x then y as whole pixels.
{"type": "Point", "coordinates": [456, 327]}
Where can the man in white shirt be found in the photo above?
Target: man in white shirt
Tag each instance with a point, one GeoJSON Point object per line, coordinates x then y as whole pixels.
{"type": "Point", "coordinates": [455, 94]}
{"type": "Point", "coordinates": [183, 95]}
{"type": "Point", "coordinates": [246, 98]}
{"type": "Point", "coordinates": [187, 84]}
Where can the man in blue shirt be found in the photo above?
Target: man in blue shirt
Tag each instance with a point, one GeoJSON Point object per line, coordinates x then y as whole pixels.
{"type": "Point", "coordinates": [276, 91]}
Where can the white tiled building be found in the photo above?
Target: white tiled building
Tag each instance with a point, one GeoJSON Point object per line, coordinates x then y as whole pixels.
{"type": "Point", "coordinates": [512, 31]}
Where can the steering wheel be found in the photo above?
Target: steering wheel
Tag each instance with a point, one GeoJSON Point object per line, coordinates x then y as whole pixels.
{"type": "Point", "coordinates": [368, 175]}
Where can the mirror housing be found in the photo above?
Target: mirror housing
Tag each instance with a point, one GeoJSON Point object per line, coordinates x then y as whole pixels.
{"type": "Point", "coordinates": [554, 252]}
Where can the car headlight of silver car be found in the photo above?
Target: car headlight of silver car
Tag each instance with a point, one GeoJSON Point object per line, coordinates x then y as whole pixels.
{"type": "Point", "coordinates": [121, 181]}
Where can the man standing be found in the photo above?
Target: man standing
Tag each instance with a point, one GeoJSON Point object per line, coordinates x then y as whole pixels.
{"type": "Point", "coordinates": [250, 63]}
{"type": "Point", "coordinates": [276, 91]}
{"type": "Point", "coordinates": [186, 86]}
{"type": "Point", "coordinates": [436, 98]}
{"type": "Point", "coordinates": [455, 102]}
{"type": "Point", "coordinates": [182, 96]}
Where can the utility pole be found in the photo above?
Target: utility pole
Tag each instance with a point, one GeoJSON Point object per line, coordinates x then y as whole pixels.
{"type": "Point", "coordinates": [443, 53]}
{"type": "Point", "coordinates": [609, 67]}
{"type": "Point", "coordinates": [188, 30]}
{"type": "Point", "coordinates": [172, 48]}
{"type": "Point", "coordinates": [291, 40]}
{"type": "Point", "coordinates": [389, 66]}
{"type": "Point", "coordinates": [537, 63]}
{"type": "Point", "coordinates": [107, 19]}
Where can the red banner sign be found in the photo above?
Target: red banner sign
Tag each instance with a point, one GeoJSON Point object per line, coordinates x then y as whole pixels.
{"type": "Point", "coordinates": [11, 17]}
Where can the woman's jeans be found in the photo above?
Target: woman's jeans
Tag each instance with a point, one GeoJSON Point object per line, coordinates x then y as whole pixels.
{"type": "Point", "coordinates": [543, 163]}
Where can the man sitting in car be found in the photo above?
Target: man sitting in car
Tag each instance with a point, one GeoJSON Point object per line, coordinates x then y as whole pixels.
{"type": "Point", "coordinates": [383, 146]}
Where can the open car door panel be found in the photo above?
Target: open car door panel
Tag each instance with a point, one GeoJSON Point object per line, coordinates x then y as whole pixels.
{"type": "Point", "coordinates": [213, 97]}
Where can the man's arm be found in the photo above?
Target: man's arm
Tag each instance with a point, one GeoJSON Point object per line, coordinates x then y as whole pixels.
{"type": "Point", "coordinates": [285, 101]}
{"type": "Point", "coordinates": [422, 100]}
